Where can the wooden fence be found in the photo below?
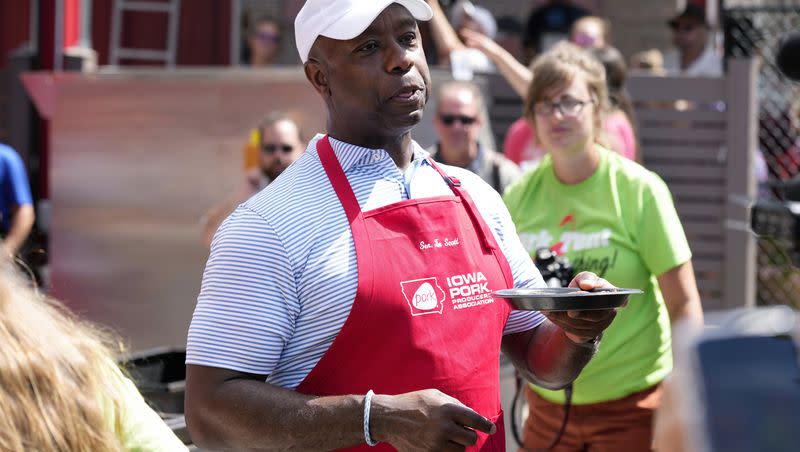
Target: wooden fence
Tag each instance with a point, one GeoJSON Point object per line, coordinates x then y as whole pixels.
{"type": "Point", "coordinates": [699, 135]}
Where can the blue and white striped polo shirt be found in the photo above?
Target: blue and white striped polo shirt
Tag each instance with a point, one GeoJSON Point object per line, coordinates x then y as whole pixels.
{"type": "Point", "coordinates": [282, 275]}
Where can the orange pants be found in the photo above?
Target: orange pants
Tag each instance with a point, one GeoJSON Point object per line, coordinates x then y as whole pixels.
{"type": "Point", "coordinates": [619, 425]}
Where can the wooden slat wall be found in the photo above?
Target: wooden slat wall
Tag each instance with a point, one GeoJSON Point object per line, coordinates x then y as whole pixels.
{"type": "Point", "coordinates": [670, 89]}
{"type": "Point", "coordinates": [694, 147]}
{"type": "Point", "coordinates": [504, 109]}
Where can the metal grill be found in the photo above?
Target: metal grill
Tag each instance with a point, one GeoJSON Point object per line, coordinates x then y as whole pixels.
{"type": "Point", "coordinates": [752, 28]}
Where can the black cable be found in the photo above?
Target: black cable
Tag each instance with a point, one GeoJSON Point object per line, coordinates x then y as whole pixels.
{"type": "Point", "coordinates": [561, 429]}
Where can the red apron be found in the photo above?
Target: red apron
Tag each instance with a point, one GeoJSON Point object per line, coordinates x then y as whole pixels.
{"type": "Point", "coordinates": [423, 316]}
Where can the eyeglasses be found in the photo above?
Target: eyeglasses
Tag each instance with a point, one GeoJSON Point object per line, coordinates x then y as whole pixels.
{"type": "Point", "coordinates": [271, 148]}
{"type": "Point", "coordinates": [448, 120]}
{"type": "Point", "coordinates": [566, 106]}
{"type": "Point", "coordinates": [267, 37]}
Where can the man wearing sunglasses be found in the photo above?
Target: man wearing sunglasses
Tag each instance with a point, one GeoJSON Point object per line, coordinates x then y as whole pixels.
{"type": "Point", "coordinates": [693, 54]}
{"type": "Point", "coordinates": [458, 123]}
{"type": "Point", "coordinates": [281, 143]}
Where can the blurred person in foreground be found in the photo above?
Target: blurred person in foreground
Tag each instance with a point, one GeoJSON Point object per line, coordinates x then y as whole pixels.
{"type": "Point", "coordinates": [60, 387]}
{"type": "Point", "coordinates": [458, 122]}
{"type": "Point", "coordinates": [16, 203]}
{"type": "Point", "coordinates": [351, 303]}
{"type": "Point", "coordinates": [280, 143]}
{"type": "Point", "coordinates": [693, 54]}
{"type": "Point", "coordinates": [609, 215]}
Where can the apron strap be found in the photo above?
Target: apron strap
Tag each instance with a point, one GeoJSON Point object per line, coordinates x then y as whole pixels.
{"type": "Point", "coordinates": [339, 181]}
{"type": "Point", "coordinates": [352, 209]}
{"type": "Point", "coordinates": [483, 229]}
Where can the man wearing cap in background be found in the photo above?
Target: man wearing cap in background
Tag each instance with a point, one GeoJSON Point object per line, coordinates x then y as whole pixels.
{"type": "Point", "coordinates": [694, 54]}
{"type": "Point", "coordinates": [351, 302]}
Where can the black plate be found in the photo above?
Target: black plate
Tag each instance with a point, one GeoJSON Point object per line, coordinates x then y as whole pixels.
{"type": "Point", "coordinates": [566, 299]}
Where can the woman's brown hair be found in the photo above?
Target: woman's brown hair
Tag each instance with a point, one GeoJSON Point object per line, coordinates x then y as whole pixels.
{"type": "Point", "coordinates": [557, 68]}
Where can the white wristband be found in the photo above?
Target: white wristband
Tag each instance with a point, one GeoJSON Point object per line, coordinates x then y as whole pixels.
{"type": "Point", "coordinates": [367, 403]}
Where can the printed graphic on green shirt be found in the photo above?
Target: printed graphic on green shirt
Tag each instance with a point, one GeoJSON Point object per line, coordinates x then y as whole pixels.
{"type": "Point", "coordinates": [568, 240]}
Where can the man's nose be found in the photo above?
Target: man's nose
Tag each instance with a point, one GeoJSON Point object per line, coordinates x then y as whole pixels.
{"type": "Point", "coordinates": [398, 58]}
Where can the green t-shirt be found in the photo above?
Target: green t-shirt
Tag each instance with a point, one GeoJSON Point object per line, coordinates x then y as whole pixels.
{"type": "Point", "coordinates": [621, 224]}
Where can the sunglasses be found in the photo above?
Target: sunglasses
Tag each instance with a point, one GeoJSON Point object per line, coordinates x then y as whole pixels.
{"type": "Point", "coordinates": [273, 148]}
{"type": "Point", "coordinates": [267, 37]}
{"type": "Point", "coordinates": [448, 120]}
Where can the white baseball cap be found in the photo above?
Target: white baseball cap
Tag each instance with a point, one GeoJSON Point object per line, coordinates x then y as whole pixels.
{"type": "Point", "coordinates": [344, 19]}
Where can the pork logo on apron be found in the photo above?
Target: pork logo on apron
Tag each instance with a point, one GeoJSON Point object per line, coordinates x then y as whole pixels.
{"type": "Point", "coordinates": [424, 296]}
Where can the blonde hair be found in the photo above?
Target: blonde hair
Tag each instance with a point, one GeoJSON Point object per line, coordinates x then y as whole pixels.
{"type": "Point", "coordinates": [56, 390]}
{"type": "Point", "coordinates": [557, 68]}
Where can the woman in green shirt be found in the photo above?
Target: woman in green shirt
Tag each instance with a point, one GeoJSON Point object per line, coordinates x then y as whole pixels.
{"type": "Point", "coordinates": [608, 215]}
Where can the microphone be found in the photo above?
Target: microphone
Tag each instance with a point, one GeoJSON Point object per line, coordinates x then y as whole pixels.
{"type": "Point", "coordinates": [788, 57]}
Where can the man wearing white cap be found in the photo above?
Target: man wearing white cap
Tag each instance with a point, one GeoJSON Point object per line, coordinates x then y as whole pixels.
{"type": "Point", "coordinates": [350, 304]}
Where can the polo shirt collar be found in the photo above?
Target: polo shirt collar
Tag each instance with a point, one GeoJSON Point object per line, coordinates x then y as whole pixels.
{"type": "Point", "coordinates": [351, 155]}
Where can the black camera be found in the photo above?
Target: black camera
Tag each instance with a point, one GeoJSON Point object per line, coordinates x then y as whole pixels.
{"type": "Point", "coordinates": [556, 270]}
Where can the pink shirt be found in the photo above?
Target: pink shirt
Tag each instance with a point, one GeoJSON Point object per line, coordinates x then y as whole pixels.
{"type": "Point", "coordinates": [619, 133]}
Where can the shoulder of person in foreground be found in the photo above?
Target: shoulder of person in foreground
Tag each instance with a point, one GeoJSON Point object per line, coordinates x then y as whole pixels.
{"type": "Point", "coordinates": [142, 429]}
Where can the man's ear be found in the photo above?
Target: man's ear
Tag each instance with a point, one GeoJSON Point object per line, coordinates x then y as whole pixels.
{"type": "Point", "coordinates": [315, 73]}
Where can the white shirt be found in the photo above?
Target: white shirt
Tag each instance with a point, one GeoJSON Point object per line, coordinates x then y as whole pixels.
{"type": "Point", "coordinates": [282, 275]}
{"type": "Point", "coordinates": [708, 64]}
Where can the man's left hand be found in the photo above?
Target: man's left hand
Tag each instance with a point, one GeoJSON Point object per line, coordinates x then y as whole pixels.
{"type": "Point", "coordinates": [583, 326]}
